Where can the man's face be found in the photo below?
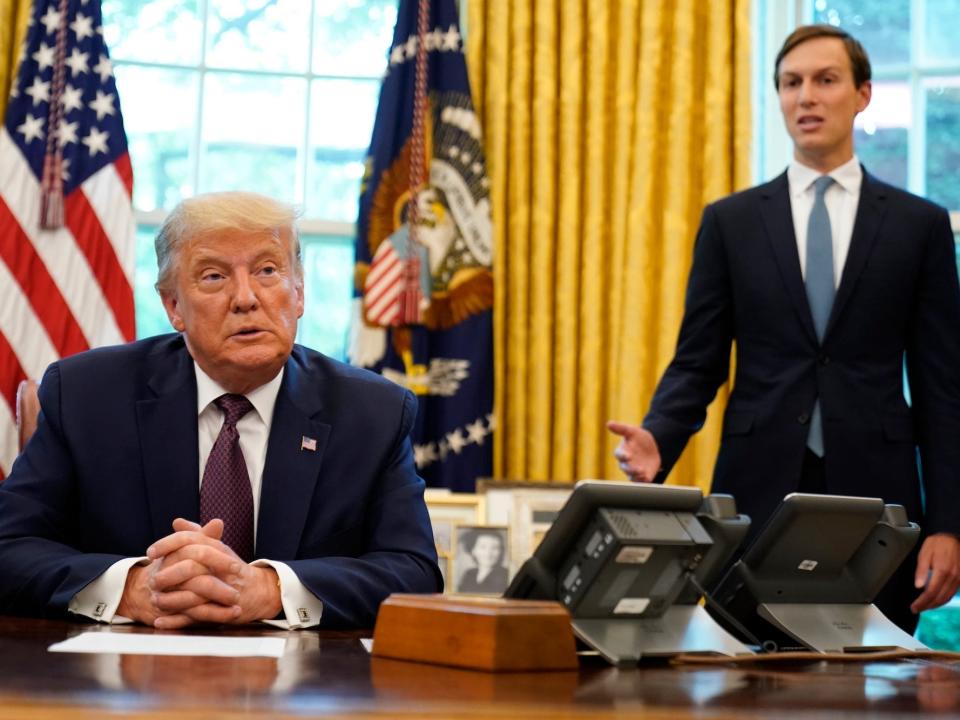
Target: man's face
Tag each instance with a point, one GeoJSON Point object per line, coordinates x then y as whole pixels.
{"type": "Point", "coordinates": [819, 101]}
{"type": "Point", "coordinates": [236, 299]}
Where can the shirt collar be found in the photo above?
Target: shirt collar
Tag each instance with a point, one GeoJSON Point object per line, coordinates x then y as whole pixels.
{"type": "Point", "coordinates": [848, 176]}
{"type": "Point", "coordinates": [263, 398]}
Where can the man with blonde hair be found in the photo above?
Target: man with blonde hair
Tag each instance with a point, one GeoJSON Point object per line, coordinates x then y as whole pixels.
{"type": "Point", "coordinates": [222, 474]}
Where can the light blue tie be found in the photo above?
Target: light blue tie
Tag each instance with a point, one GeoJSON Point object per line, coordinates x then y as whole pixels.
{"type": "Point", "coordinates": [820, 287]}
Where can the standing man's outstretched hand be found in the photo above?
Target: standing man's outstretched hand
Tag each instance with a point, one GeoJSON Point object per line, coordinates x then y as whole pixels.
{"type": "Point", "coordinates": [637, 452]}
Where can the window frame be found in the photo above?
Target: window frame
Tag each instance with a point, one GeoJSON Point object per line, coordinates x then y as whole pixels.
{"type": "Point", "coordinates": [203, 70]}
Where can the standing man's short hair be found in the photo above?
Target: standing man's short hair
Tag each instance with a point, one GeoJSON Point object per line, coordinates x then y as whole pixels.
{"type": "Point", "coordinates": [859, 61]}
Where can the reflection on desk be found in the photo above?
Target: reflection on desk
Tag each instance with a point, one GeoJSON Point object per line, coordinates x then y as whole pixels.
{"type": "Point", "coordinates": [323, 673]}
{"type": "Point", "coordinates": [207, 678]}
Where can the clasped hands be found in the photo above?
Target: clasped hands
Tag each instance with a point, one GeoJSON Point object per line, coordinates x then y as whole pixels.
{"type": "Point", "coordinates": [193, 577]}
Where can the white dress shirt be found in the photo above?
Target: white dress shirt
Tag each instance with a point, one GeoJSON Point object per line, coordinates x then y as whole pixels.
{"type": "Point", "coordinates": [841, 199]}
{"type": "Point", "coordinates": [99, 599]}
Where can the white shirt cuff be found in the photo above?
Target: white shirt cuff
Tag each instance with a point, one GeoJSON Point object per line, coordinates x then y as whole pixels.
{"type": "Point", "coordinates": [99, 599]}
{"type": "Point", "coordinates": [301, 608]}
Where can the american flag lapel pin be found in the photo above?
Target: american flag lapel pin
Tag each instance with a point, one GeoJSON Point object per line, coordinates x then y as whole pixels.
{"type": "Point", "coordinates": [308, 443]}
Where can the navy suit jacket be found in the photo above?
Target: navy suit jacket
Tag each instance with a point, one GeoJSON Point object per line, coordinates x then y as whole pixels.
{"type": "Point", "coordinates": [898, 299]}
{"type": "Point", "coordinates": [114, 460]}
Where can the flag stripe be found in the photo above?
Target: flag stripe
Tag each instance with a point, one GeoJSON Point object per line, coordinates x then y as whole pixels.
{"type": "Point", "coordinates": [387, 313]}
{"type": "Point", "coordinates": [385, 286]}
{"type": "Point", "coordinates": [387, 316]}
{"type": "Point", "coordinates": [125, 171]}
{"type": "Point", "coordinates": [96, 247]}
{"type": "Point", "coordinates": [116, 218]}
{"type": "Point", "coordinates": [30, 273]}
{"type": "Point", "coordinates": [383, 263]}
{"type": "Point", "coordinates": [387, 309]}
{"type": "Point", "coordinates": [387, 300]}
{"type": "Point", "coordinates": [22, 328]}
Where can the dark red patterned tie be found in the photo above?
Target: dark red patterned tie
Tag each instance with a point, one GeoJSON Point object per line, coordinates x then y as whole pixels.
{"type": "Point", "coordinates": [225, 492]}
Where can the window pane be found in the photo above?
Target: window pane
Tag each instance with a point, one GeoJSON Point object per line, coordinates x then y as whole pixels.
{"type": "Point", "coordinates": [162, 31]}
{"type": "Point", "coordinates": [943, 140]}
{"type": "Point", "coordinates": [151, 317]}
{"type": "Point", "coordinates": [353, 38]}
{"type": "Point", "coordinates": [882, 27]}
{"type": "Point", "coordinates": [159, 132]}
{"type": "Point", "coordinates": [328, 269]}
{"type": "Point", "coordinates": [341, 124]}
{"type": "Point", "coordinates": [880, 132]}
{"type": "Point", "coordinates": [258, 34]}
{"type": "Point", "coordinates": [940, 31]}
{"type": "Point", "coordinates": [253, 132]}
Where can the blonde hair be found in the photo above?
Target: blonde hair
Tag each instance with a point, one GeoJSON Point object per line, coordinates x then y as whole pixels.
{"type": "Point", "coordinates": [236, 210]}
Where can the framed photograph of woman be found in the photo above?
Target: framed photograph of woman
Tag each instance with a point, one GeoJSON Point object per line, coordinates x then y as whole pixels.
{"type": "Point", "coordinates": [480, 562]}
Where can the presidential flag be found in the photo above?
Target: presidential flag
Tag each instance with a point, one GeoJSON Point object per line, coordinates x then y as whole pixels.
{"type": "Point", "coordinates": [424, 282]}
{"type": "Point", "coordinates": [66, 221]}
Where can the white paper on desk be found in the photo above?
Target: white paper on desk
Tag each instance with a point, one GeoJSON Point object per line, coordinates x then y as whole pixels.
{"type": "Point", "coordinates": [145, 644]}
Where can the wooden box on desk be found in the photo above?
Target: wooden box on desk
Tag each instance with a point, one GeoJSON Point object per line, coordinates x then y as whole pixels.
{"type": "Point", "coordinates": [478, 633]}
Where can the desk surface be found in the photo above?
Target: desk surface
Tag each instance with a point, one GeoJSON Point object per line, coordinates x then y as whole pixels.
{"type": "Point", "coordinates": [330, 674]}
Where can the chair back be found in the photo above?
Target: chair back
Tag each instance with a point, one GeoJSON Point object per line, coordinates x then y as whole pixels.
{"type": "Point", "coordinates": [28, 407]}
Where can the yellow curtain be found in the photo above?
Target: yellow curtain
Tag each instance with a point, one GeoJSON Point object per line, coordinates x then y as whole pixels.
{"type": "Point", "coordinates": [608, 126]}
{"type": "Point", "coordinates": [13, 26]}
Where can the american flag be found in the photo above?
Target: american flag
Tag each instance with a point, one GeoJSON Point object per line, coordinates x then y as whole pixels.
{"type": "Point", "coordinates": [67, 234]}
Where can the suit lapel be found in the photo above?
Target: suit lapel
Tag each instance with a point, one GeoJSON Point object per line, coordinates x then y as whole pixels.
{"type": "Point", "coordinates": [870, 211]}
{"type": "Point", "coordinates": [167, 427]}
{"type": "Point", "coordinates": [291, 470]}
{"type": "Point", "coordinates": [778, 222]}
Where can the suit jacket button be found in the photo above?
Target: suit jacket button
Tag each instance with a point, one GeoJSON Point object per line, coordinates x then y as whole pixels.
{"type": "Point", "coordinates": [824, 359]}
{"type": "Point", "coordinates": [803, 418]}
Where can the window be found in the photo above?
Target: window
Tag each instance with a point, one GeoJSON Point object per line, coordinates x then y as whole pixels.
{"type": "Point", "coordinates": [910, 133]}
{"type": "Point", "coordinates": [276, 96]}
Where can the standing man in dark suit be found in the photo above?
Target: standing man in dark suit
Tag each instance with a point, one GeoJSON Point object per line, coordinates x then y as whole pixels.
{"type": "Point", "coordinates": [223, 474]}
{"type": "Point", "coordinates": [829, 281]}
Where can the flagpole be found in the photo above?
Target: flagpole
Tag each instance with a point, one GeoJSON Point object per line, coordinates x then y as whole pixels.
{"type": "Point", "coordinates": [411, 295]}
{"type": "Point", "coordinates": [51, 184]}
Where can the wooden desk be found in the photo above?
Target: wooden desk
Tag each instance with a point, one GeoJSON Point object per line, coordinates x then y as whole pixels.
{"type": "Point", "coordinates": [331, 675]}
